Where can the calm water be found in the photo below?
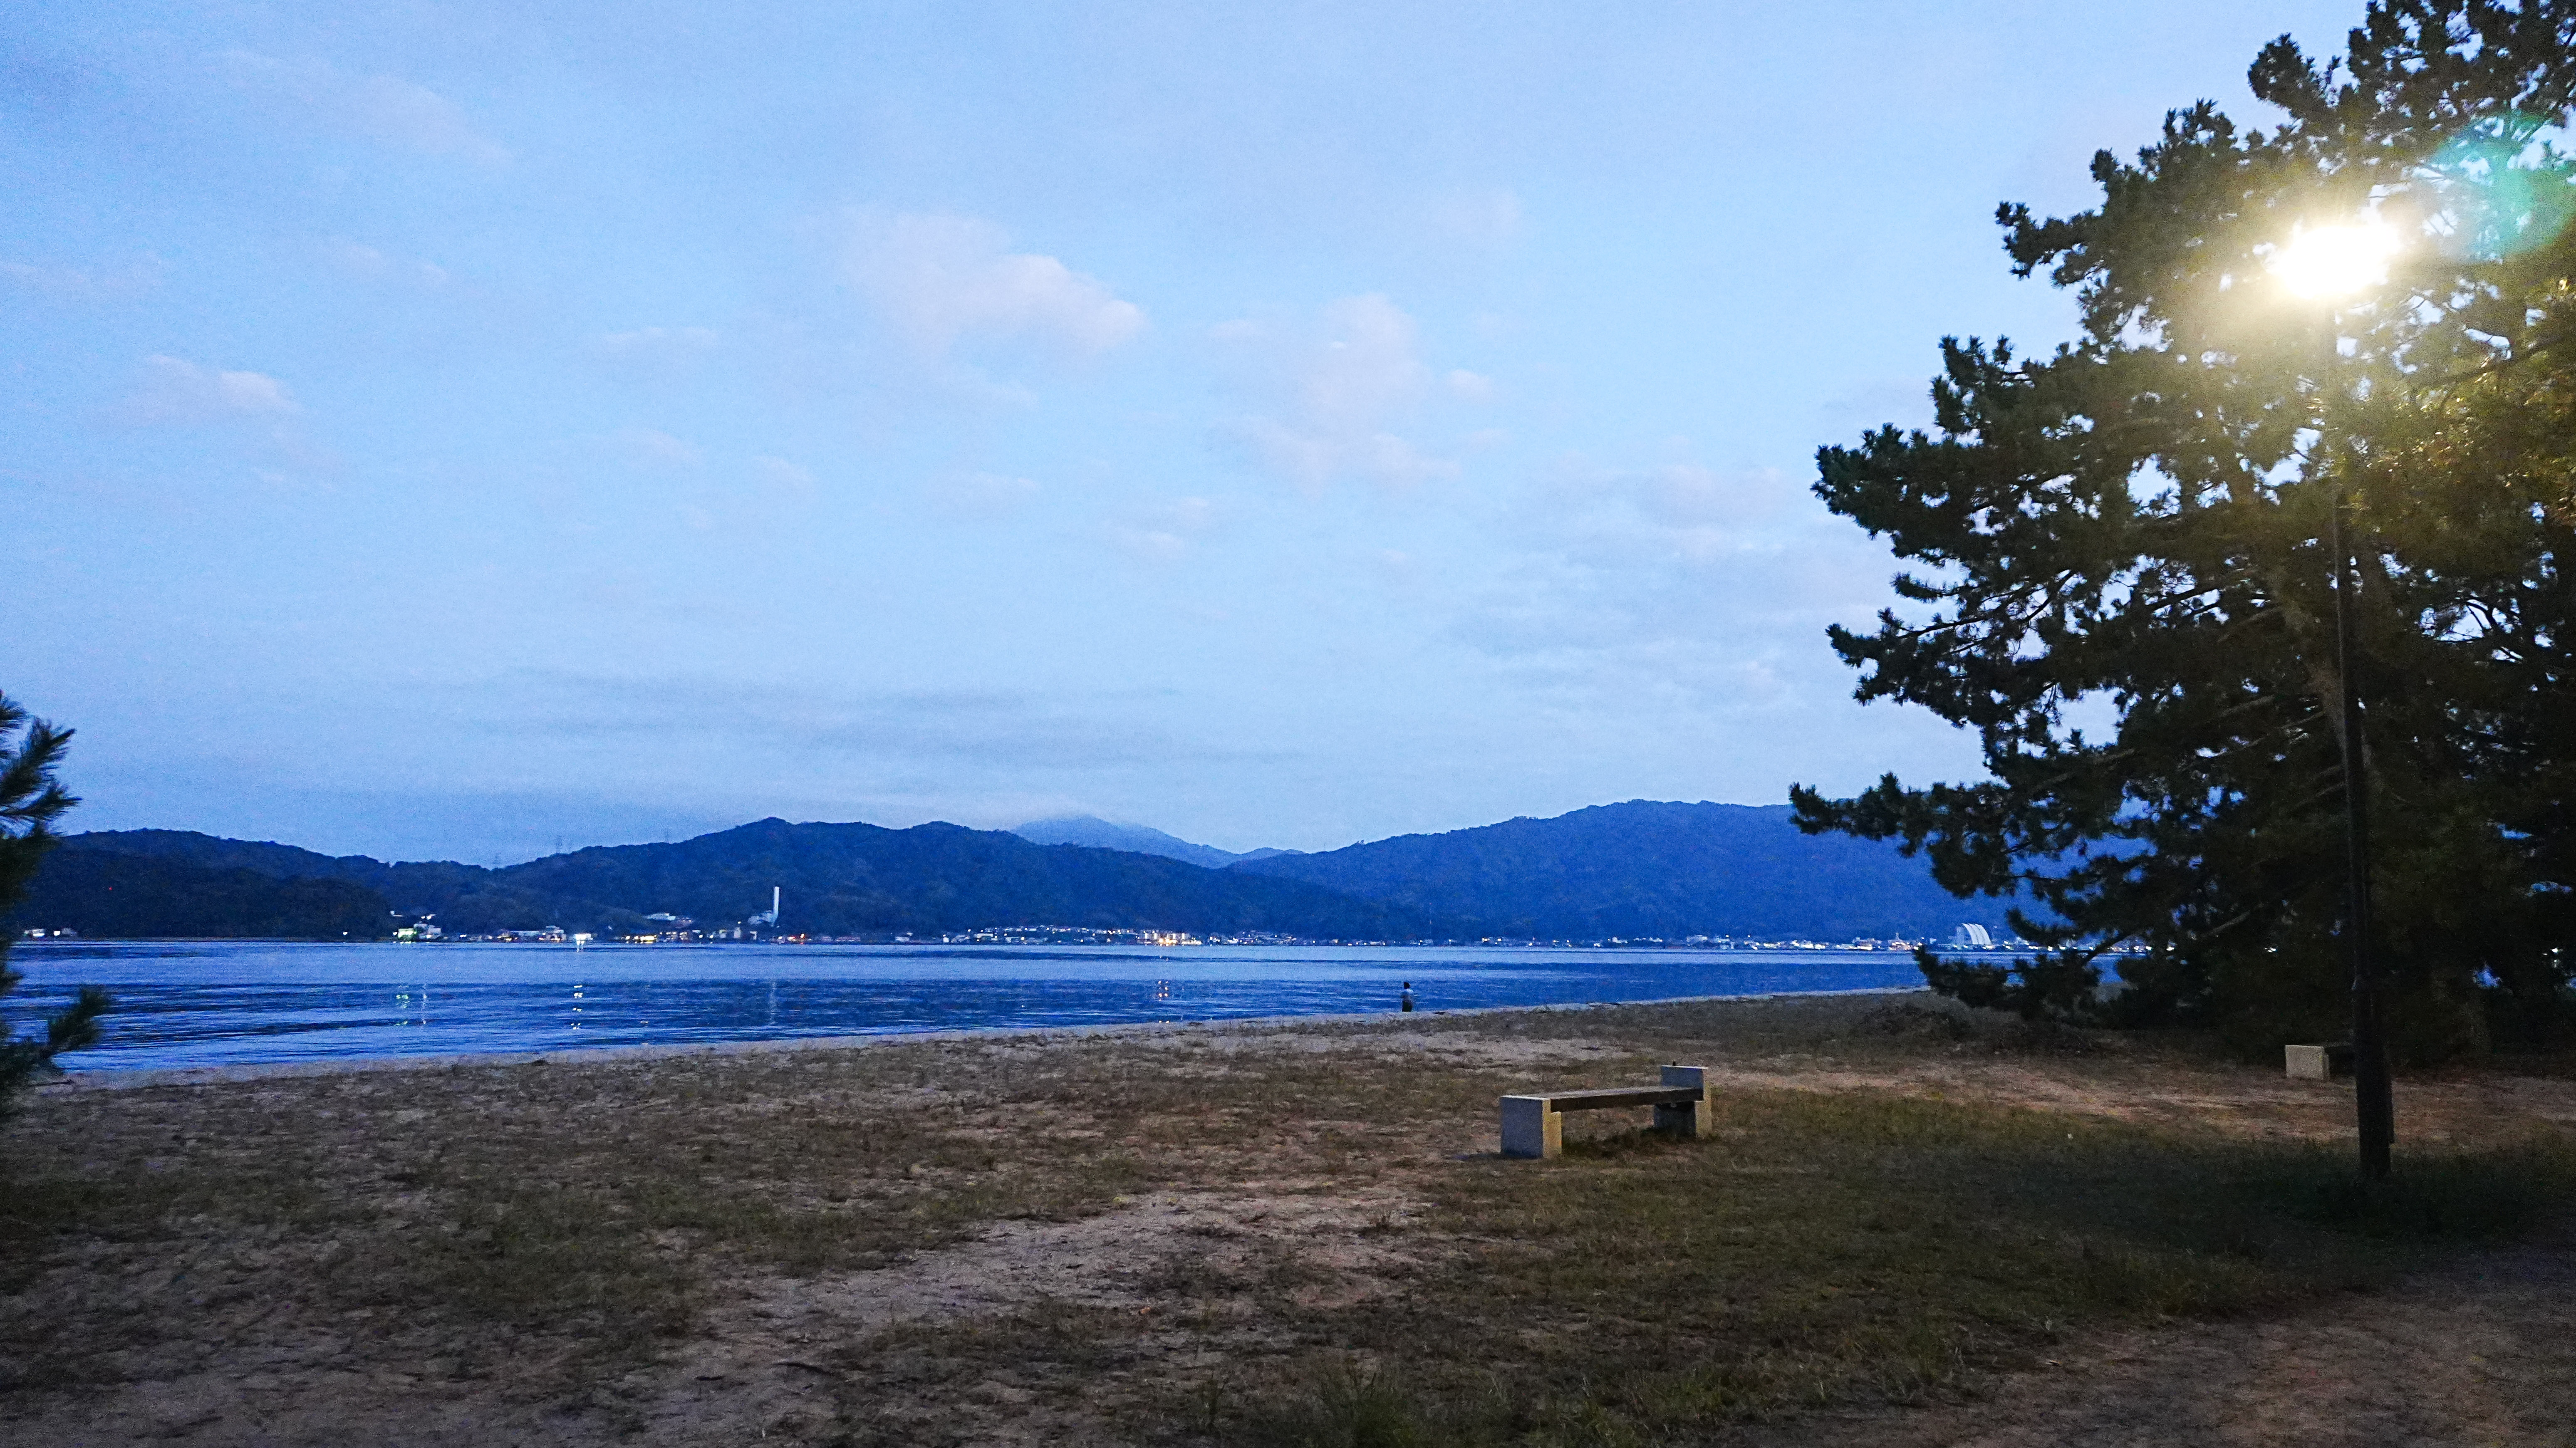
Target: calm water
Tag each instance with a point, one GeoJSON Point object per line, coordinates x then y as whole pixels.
{"type": "Point", "coordinates": [206, 1004]}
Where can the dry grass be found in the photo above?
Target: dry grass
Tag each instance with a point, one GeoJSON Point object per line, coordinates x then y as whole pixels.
{"type": "Point", "coordinates": [1294, 1235]}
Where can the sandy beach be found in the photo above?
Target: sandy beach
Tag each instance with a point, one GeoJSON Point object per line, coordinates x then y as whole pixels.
{"type": "Point", "coordinates": [1916, 1226]}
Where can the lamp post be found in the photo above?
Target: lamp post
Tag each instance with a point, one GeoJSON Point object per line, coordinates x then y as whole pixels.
{"type": "Point", "coordinates": [2324, 263]}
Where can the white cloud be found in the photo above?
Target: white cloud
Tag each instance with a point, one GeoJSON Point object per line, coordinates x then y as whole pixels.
{"type": "Point", "coordinates": [1336, 389]}
{"type": "Point", "coordinates": [1678, 581]}
{"type": "Point", "coordinates": [1367, 366]}
{"type": "Point", "coordinates": [659, 342]}
{"type": "Point", "coordinates": [1166, 533]}
{"type": "Point", "coordinates": [1469, 386]}
{"type": "Point", "coordinates": [783, 474]}
{"type": "Point", "coordinates": [982, 495]}
{"type": "Point", "coordinates": [943, 278]}
{"type": "Point", "coordinates": [1149, 545]}
{"type": "Point", "coordinates": [891, 732]}
{"type": "Point", "coordinates": [358, 259]}
{"type": "Point", "coordinates": [1486, 218]}
{"type": "Point", "coordinates": [177, 392]}
{"type": "Point", "coordinates": [652, 447]}
{"type": "Point", "coordinates": [81, 284]}
{"type": "Point", "coordinates": [381, 107]}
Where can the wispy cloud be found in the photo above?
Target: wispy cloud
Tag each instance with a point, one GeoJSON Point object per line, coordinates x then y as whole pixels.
{"type": "Point", "coordinates": [659, 342]}
{"type": "Point", "coordinates": [652, 447]}
{"type": "Point", "coordinates": [1475, 218]}
{"type": "Point", "coordinates": [173, 391]}
{"type": "Point", "coordinates": [1334, 391]}
{"type": "Point", "coordinates": [382, 108]}
{"type": "Point", "coordinates": [357, 259]}
{"type": "Point", "coordinates": [941, 279]}
{"type": "Point", "coordinates": [86, 284]}
{"type": "Point", "coordinates": [981, 496]}
{"type": "Point", "coordinates": [1164, 532]}
{"type": "Point", "coordinates": [790, 478]}
{"type": "Point", "coordinates": [1011, 729]}
{"type": "Point", "coordinates": [1678, 580]}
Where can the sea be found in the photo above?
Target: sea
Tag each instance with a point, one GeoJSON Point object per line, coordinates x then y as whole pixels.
{"type": "Point", "coordinates": [226, 1003]}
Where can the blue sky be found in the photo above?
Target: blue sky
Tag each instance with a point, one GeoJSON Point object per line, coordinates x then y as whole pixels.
{"type": "Point", "coordinates": [462, 430]}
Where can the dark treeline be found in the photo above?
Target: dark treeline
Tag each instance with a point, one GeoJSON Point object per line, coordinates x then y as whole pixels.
{"type": "Point", "coordinates": [138, 897]}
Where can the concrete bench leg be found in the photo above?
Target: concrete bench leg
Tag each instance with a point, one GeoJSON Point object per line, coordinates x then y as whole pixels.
{"type": "Point", "coordinates": [1530, 1129]}
{"type": "Point", "coordinates": [1693, 1121]}
{"type": "Point", "coordinates": [2318, 1063]}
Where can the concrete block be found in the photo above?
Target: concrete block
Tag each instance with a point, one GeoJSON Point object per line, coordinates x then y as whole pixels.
{"type": "Point", "coordinates": [1693, 1121]}
{"type": "Point", "coordinates": [1696, 1121]}
{"type": "Point", "coordinates": [2318, 1063]}
{"type": "Point", "coordinates": [1531, 1129]}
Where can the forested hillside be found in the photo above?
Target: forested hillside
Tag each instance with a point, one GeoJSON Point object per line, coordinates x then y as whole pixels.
{"type": "Point", "coordinates": [117, 896]}
{"type": "Point", "coordinates": [1647, 868]}
{"type": "Point", "coordinates": [842, 878]}
{"type": "Point", "coordinates": [1625, 870]}
{"type": "Point", "coordinates": [839, 879]}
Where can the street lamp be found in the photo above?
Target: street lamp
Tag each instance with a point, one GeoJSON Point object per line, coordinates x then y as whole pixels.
{"type": "Point", "coordinates": [2328, 263]}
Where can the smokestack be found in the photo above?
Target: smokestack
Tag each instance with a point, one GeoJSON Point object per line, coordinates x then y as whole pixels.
{"type": "Point", "coordinates": [773, 904]}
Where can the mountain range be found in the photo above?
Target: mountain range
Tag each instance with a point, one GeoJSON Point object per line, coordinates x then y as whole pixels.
{"type": "Point", "coordinates": [1646, 868]}
{"type": "Point", "coordinates": [1101, 834]}
{"type": "Point", "coordinates": [1639, 869]}
{"type": "Point", "coordinates": [842, 879]}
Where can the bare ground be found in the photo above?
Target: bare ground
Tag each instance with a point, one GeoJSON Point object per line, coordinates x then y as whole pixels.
{"type": "Point", "coordinates": [1140, 1238]}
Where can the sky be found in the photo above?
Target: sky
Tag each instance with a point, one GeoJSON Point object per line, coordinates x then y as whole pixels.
{"type": "Point", "coordinates": [470, 431]}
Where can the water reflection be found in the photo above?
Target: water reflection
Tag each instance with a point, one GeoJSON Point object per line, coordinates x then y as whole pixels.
{"type": "Point", "coordinates": [411, 1007]}
{"type": "Point", "coordinates": [202, 1004]}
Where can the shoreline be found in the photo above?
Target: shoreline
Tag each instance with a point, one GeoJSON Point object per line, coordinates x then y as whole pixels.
{"type": "Point", "coordinates": [136, 1078]}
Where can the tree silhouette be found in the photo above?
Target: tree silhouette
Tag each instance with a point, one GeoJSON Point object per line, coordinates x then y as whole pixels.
{"type": "Point", "coordinates": [2121, 575]}
{"type": "Point", "coordinates": [31, 799]}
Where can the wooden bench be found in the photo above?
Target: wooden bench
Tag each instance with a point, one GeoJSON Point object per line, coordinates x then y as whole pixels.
{"type": "Point", "coordinates": [1534, 1126]}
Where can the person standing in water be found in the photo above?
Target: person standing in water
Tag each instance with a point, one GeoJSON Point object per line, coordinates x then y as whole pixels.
{"type": "Point", "coordinates": [1408, 997]}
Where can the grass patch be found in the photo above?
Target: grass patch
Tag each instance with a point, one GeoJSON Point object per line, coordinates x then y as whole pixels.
{"type": "Point", "coordinates": [1858, 1247]}
{"type": "Point", "coordinates": [1309, 1247]}
{"type": "Point", "coordinates": [529, 1213]}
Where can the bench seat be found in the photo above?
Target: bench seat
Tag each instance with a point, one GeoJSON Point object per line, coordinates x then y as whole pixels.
{"type": "Point", "coordinates": [1613, 1096]}
{"type": "Point", "coordinates": [1534, 1124]}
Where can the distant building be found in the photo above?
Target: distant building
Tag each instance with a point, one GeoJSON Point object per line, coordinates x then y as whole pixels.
{"type": "Point", "coordinates": [1971, 937]}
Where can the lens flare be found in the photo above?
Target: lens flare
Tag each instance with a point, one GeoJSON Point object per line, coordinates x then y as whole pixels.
{"type": "Point", "coordinates": [2335, 261]}
{"type": "Point", "coordinates": [2502, 187]}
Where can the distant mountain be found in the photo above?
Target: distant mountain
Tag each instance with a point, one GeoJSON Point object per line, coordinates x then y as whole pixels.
{"type": "Point", "coordinates": [466, 898]}
{"type": "Point", "coordinates": [848, 878]}
{"type": "Point", "coordinates": [839, 879]}
{"type": "Point", "coordinates": [1639, 869]}
{"type": "Point", "coordinates": [102, 894]}
{"type": "Point", "coordinates": [1101, 834]}
{"type": "Point", "coordinates": [1647, 869]}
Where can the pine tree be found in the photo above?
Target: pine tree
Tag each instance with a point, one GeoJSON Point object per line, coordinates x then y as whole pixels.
{"type": "Point", "coordinates": [31, 799]}
{"type": "Point", "coordinates": [2119, 578]}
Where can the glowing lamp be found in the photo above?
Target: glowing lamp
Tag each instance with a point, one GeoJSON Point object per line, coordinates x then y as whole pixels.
{"type": "Point", "coordinates": [2335, 261]}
